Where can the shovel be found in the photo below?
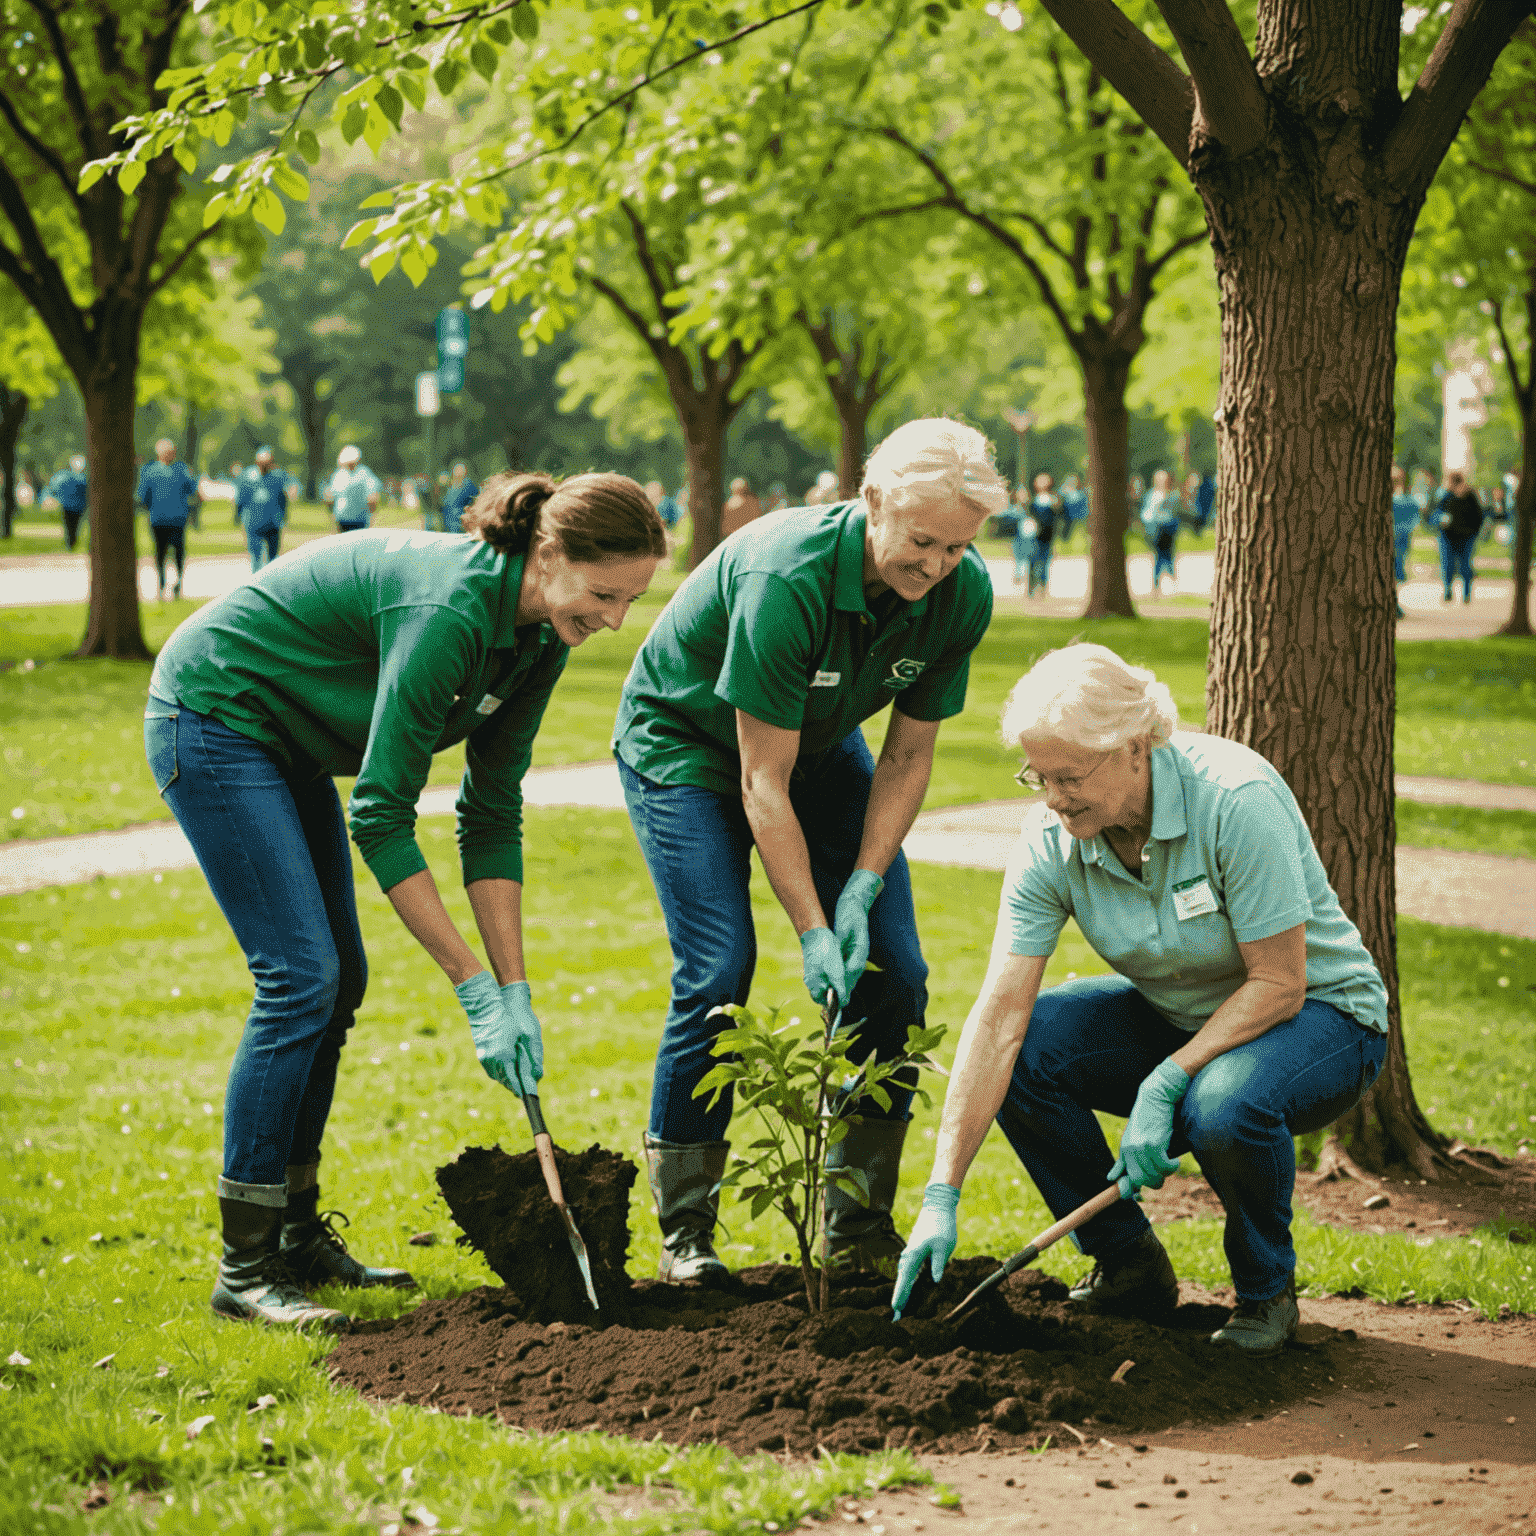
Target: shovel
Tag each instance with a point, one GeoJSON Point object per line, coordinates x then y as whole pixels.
{"type": "Point", "coordinates": [1100, 1202]}
{"type": "Point", "coordinates": [545, 1147]}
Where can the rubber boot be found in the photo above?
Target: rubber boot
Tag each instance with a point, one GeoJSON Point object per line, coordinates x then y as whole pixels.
{"type": "Point", "coordinates": [685, 1183]}
{"type": "Point", "coordinates": [254, 1283]}
{"type": "Point", "coordinates": [1261, 1328]}
{"type": "Point", "coordinates": [315, 1252]}
{"type": "Point", "coordinates": [855, 1235]}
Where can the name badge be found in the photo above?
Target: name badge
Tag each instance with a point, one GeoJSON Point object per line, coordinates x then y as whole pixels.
{"type": "Point", "coordinates": [488, 705]}
{"type": "Point", "coordinates": [826, 680]}
{"type": "Point", "coordinates": [1194, 898]}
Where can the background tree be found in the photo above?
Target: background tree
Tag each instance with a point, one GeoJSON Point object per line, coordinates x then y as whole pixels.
{"type": "Point", "coordinates": [1312, 167]}
{"type": "Point", "coordinates": [89, 255]}
{"type": "Point", "coordinates": [30, 372]}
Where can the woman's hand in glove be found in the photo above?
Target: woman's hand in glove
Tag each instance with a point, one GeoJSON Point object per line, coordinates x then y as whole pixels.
{"type": "Point", "coordinates": [934, 1235]}
{"type": "Point", "coordinates": [824, 970]}
{"type": "Point", "coordinates": [851, 923]}
{"type": "Point", "coordinates": [1144, 1160]}
{"type": "Point", "coordinates": [505, 1030]}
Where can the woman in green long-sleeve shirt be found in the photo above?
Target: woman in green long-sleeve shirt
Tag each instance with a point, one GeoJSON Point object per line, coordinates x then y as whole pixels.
{"type": "Point", "coordinates": [365, 654]}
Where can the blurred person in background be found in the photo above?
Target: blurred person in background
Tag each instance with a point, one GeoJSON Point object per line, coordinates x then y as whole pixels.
{"type": "Point", "coordinates": [70, 489]}
{"type": "Point", "coordinates": [1160, 525]}
{"type": "Point", "coordinates": [825, 492]}
{"type": "Point", "coordinates": [778, 497]}
{"type": "Point", "coordinates": [1459, 517]}
{"type": "Point", "coordinates": [741, 508]}
{"type": "Point", "coordinates": [261, 505]}
{"type": "Point", "coordinates": [667, 508]}
{"type": "Point", "coordinates": [168, 489]}
{"type": "Point", "coordinates": [1405, 518]}
{"type": "Point", "coordinates": [353, 492]}
{"type": "Point", "coordinates": [237, 473]}
{"type": "Point", "coordinates": [1020, 528]}
{"type": "Point", "coordinates": [1074, 507]}
{"type": "Point", "coordinates": [461, 493]}
{"type": "Point", "coordinates": [1045, 514]}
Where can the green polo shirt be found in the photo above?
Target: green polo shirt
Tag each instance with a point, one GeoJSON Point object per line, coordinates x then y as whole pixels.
{"type": "Point", "coordinates": [774, 623]}
{"type": "Point", "coordinates": [1230, 860]}
{"type": "Point", "coordinates": [366, 653]}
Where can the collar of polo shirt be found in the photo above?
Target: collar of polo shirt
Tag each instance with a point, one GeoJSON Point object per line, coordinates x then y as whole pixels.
{"type": "Point", "coordinates": [1168, 820]}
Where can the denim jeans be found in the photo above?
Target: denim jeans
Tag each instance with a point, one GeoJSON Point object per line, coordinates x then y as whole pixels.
{"type": "Point", "coordinates": [172, 541]}
{"type": "Point", "coordinates": [1040, 567]}
{"type": "Point", "coordinates": [1023, 555]}
{"type": "Point", "coordinates": [1162, 562]}
{"type": "Point", "coordinates": [698, 845]}
{"type": "Point", "coordinates": [273, 845]}
{"type": "Point", "coordinates": [264, 545]}
{"type": "Point", "coordinates": [1089, 1045]}
{"type": "Point", "coordinates": [1401, 544]}
{"type": "Point", "coordinates": [1456, 560]}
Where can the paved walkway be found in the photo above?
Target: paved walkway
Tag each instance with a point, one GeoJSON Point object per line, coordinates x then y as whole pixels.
{"type": "Point", "coordinates": [1468, 890]}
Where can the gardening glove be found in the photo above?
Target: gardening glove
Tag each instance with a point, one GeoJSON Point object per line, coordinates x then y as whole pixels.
{"type": "Point", "coordinates": [824, 969]}
{"type": "Point", "coordinates": [934, 1235]}
{"type": "Point", "coordinates": [1144, 1159]}
{"type": "Point", "coordinates": [851, 922]}
{"type": "Point", "coordinates": [505, 1031]}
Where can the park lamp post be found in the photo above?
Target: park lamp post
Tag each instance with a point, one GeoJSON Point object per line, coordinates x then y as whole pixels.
{"type": "Point", "coordinates": [429, 402]}
{"type": "Point", "coordinates": [1021, 422]}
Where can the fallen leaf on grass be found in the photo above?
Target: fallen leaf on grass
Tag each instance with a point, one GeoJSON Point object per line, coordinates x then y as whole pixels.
{"type": "Point", "coordinates": [17, 1358]}
{"type": "Point", "coordinates": [1118, 1379]}
{"type": "Point", "coordinates": [104, 1362]}
{"type": "Point", "coordinates": [266, 1400]}
{"type": "Point", "coordinates": [98, 1498]}
{"type": "Point", "coordinates": [197, 1426]}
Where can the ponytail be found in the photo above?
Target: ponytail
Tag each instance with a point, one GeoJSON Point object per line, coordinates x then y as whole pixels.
{"type": "Point", "coordinates": [591, 517]}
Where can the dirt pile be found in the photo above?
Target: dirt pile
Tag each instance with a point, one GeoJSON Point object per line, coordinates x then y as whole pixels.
{"type": "Point", "coordinates": [747, 1364]}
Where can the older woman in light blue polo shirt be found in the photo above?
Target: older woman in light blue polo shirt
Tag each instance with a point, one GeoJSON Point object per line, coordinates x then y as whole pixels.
{"type": "Point", "coordinates": [1243, 1009]}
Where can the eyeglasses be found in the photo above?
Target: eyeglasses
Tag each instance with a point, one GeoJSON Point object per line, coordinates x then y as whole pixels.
{"type": "Point", "coordinates": [1069, 784]}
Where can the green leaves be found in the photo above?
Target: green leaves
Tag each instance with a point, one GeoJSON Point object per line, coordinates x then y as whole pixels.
{"type": "Point", "coordinates": [806, 1094]}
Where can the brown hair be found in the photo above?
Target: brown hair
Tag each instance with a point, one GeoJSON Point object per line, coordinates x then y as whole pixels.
{"type": "Point", "coordinates": [591, 517]}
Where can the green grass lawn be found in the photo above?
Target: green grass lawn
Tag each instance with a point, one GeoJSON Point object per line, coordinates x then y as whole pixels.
{"type": "Point", "coordinates": [73, 759]}
{"type": "Point", "coordinates": [122, 1002]}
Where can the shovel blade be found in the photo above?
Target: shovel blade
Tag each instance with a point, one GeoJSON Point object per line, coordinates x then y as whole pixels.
{"type": "Point", "coordinates": [579, 1248]}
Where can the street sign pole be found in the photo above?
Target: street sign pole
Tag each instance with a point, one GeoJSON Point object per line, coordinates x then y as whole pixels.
{"type": "Point", "coordinates": [428, 403]}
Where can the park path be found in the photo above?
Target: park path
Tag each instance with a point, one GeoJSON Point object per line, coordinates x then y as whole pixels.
{"type": "Point", "coordinates": [1468, 890]}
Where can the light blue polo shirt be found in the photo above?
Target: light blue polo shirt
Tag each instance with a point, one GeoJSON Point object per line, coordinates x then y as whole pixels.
{"type": "Point", "coordinates": [1230, 861]}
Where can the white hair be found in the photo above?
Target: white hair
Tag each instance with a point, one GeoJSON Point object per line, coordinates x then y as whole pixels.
{"type": "Point", "coordinates": [1086, 695]}
{"type": "Point", "coordinates": [349, 455]}
{"type": "Point", "coordinates": [935, 459]}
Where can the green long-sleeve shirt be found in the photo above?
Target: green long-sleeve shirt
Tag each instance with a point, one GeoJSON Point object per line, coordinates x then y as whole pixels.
{"type": "Point", "coordinates": [365, 653]}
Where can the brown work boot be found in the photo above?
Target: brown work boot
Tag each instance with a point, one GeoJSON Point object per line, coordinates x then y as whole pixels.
{"type": "Point", "coordinates": [1135, 1281]}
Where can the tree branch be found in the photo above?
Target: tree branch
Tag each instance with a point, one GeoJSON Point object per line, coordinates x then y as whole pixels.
{"type": "Point", "coordinates": [1522, 391]}
{"type": "Point", "coordinates": [1154, 86]}
{"type": "Point", "coordinates": [661, 349]}
{"type": "Point", "coordinates": [49, 157]}
{"type": "Point", "coordinates": [1474, 36]}
{"type": "Point", "coordinates": [74, 94]}
{"type": "Point", "coordinates": [39, 279]}
{"type": "Point", "coordinates": [1498, 175]}
{"type": "Point", "coordinates": [176, 264]}
{"type": "Point", "coordinates": [1182, 244]}
{"type": "Point", "coordinates": [906, 208]}
{"type": "Point", "coordinates": [984, 221]}
{"type": "Point", "coordinates": [653, 278]}
{"type": "Point", "coordinates": [1230, 108]}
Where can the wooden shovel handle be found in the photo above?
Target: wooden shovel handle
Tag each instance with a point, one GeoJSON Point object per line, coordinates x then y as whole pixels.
{"type": "Point", "coordinates": [544, 1145]}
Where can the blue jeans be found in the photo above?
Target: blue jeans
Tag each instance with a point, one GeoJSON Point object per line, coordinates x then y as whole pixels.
{"type": "Point", "coordinates": [263, 544]}
{"type": "Point", "coordinates": [1040, 567]}
{"type": "Point", "coordinates": [1456, 560]}
{"type": "Point", "coordinates": [1023, 555]}
{"type": "Point", "coordinates": [1089, 1045]}
{"type": "Point", "coordinates": [273, 845]}
{"type": "Point", "coordinates": [1401, 544]}
{"type": "Point", "coordinates": [1162, 562]}
{"type": "Point", "coordinates": [698, 845]}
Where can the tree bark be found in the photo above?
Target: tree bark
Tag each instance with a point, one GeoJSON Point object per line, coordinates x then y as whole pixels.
{"type": "Point", "coordinates": [312, 412]}
{"type": "Point", "coordinates": [190, 438]}
{"type": "Point", "coordinates": [704, 425]}
{"type": "Point", "coordinates": [852, 448]}
{"type": "Point", "coordinates": [13, 411]}
{"type": "Point", "coordinates": [1304, 613]}
{"type": "Point", "coordinates": [112, 628]}
{"type": "Point", "coordinates": [1519, 622]}
{"type": "Point", "coordinates": [1108, 427]}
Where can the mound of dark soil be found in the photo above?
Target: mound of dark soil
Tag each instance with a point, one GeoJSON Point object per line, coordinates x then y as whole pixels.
{"type": "Point", "coordinates": [747, 1364]}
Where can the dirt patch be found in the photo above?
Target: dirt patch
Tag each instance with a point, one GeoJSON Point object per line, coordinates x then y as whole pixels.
{"type": "Point", "coordinates": [1414, 1209]}
{"type": "Point", "coordinates": [749, 1366]}
{"type": "Point", "coordinates": [503, 1208]}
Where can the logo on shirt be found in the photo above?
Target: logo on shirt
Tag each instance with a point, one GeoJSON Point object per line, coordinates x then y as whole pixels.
{"type": "Point", "coordinates": [826, 680]}
{"type": "Point", "coordinates": [903, 672]}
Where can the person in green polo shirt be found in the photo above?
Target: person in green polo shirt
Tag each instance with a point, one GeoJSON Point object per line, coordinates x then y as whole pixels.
{"type": "Point", "coordinates": [739, 726]}
{"type": "Point", "coordinates": [366, 653]}
{"type": "Point", "coordinates": [1243, 1009]}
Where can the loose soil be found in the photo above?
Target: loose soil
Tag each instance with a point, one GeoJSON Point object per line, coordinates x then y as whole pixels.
{"type": "Point", "coordinates": [747, 1365]}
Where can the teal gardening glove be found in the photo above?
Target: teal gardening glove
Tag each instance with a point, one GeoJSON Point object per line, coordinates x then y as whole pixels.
{"type": "Point", "coordinates": [824, 969]}
{"type": "Point", "coordinates": [934, 1235]}
{"type": "Point", "coordinates": [851, 923]}
{"type": "Point", "coordinates": [1144, 1160]}
{"type": "Point", "coordinates": [505, 1030]}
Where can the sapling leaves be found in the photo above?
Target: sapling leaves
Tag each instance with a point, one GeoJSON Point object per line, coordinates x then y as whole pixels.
{"type": "Point", "coordinates": [801, 1085]}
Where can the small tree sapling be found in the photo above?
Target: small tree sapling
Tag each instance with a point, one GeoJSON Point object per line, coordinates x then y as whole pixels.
{"type": "Point", "coordinates": [797, 1078]}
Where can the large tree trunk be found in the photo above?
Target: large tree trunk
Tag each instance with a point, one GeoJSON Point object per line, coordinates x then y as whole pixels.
{"type": "Point", "coordinates": [1519, 622]}
{"type": "Point", "coordinates": [1304, 612]}
{"type": "Point", "coordinates": [190, 438]}
{"type": "Point", "coordinates": [704, 425]}
{"type": "Point", "coordinates": [312, 412]}
{"type": "Point", "coordinates": [852, 447]}
{"type": "Point", "coordinates": [1109, 460]}
{"type": "Point", "coordinates": [112, 627]}
{"type": "Point", "coordinates": [13, 411]}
